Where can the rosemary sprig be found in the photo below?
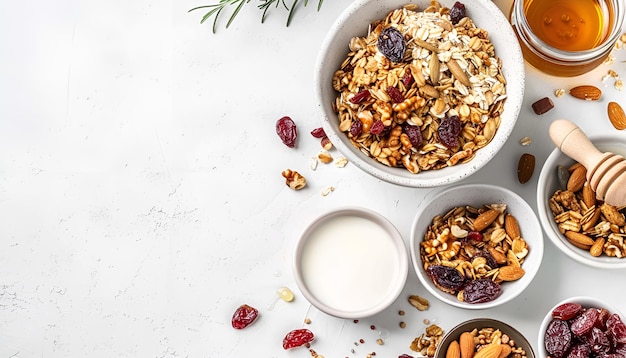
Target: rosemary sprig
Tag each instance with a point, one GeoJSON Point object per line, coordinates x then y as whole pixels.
{"type": "Point", "coordinates": [216, 9]}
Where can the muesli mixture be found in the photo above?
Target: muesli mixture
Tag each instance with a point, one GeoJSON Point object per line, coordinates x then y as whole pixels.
{"type": "Point", "coordinates": [423, 90]}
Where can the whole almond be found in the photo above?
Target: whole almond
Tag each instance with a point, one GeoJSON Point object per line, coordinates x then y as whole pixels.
{"type": "Point", "coordinates": [429, 91]}
{"type": "Point", "coordinates": [598, 246]}
{"type": "Point", "coordinates": [616, 115]}
{"type": "Point", "coordinates": [586, 92]}
{"type": "Point", "coordinates": [579, 240]}
{"type": "Point", "coordinates": [506, 350]}
{"type": "Point", "coordinates": [489, 351]}
{"type": "Point", "coordinates": [458, 72]}
{"type": "Point", "coordinates": [589, 196]}
{"type": "Point", "coordinates": [497, 255]}
{"type": "Point", "coordinates": [577, 179]}
{"type": "Point", "coordinates": [525, 167]}
{"type": "Point", "coordinates": [510, 273]}
{"type": "Point", "coordinates": [466, 345]}
{"type": "Point", "coordinates": [511, 226]}
{"type": "Point", "coordinates": [485, 219]}
{"type": "Point", "coordinates": [454, 351]}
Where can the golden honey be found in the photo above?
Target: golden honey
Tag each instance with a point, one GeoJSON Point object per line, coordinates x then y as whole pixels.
{"type": "Point", "coordinates": [567, 37]}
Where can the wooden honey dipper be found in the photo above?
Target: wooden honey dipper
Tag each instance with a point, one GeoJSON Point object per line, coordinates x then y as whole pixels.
{"type": "Point", "coordinates": [606, 172]}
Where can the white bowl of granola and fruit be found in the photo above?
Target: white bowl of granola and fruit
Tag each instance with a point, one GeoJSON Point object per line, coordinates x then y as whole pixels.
{"type": "Point", "coordinates": [581, 226]}
{"type": "Point", "coordinates": [420, 93]}
{"type": "Point", "coordinates": [476, 246]}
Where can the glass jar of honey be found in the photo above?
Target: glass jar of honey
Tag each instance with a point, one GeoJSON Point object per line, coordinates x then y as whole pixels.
{"type": "Point", "coordinates": [567, 37]}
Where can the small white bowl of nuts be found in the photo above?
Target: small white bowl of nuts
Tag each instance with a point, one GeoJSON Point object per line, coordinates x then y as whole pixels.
{"type": "Point", "coordinates": [476, 246]}
{"type": "Point", "coordinates": [420, 93]}
{"type": "Point", "coordinates": [581, 226]}
{"type": "Point", "coordinates": [494, 338]}
{"type": "Point", "coordinates": [582, 326]}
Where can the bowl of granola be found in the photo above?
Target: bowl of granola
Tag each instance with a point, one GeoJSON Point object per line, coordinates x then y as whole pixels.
{"type": "Point", "coordinates": [585, 229]}
{"type": "Point", "coordinates": [491, 335]}
{"type": "Point", "coordinates": [419, 93]}
{"type": "Point", "coordinates": [476, 246]}
{"type": "Point", "coordinates": [582, 326]}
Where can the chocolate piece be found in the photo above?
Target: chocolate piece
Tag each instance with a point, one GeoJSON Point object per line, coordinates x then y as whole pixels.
{"type": "Point", "coordinates": [543, 105]}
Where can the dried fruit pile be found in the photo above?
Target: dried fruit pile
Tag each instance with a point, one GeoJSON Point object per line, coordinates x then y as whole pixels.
{"type": "Point", "coordinates": [469, 252]}
{"type": "Point", "coordinates": [581, 332]}
{"type": "Point", "coordinates": [422, 91]}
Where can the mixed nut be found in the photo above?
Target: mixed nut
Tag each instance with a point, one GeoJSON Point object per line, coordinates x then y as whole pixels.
{"type": "Point", "coordinates": [484, 343]}
{"type": "Point", "coordinates": [586, 222]}
{"type": "Point", "coordinates": [469, 252]}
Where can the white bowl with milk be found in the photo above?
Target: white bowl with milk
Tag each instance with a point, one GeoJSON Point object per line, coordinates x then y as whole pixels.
{"type": "Point", "coordinates": [351, 263]}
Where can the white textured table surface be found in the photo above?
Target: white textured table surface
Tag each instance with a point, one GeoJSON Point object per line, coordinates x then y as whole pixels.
{"type": "Point", "coordinates": [141, 199]}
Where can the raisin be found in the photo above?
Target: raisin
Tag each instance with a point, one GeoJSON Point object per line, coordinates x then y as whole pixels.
{"type": "Point", "coordinates": [414, 134]}
{"type": "Point", "coordinates": [490, 261]}
{"type": "Point", "coordinates": [449, 130]}
{"type": "Point", "coordinates": [318, 133]}
{"type": "Point", "coordinates": [616, 329]}
{"type": "Point", "coordinates": [392, 44]}
{"type": "Point", "coordinates": [580, 350]}
{"type": "Point", "coordinates": [395, 94]}
{"type": "Point", "coordinates": [297, 338]}
{"type": "Point", "coordinates": [558, 338]}
{"type": "Point", "coordinates": [377, 128]}
{"type": "Point", "coordinates": [598, 341]}
{"type": "Point", "coordinates": [448, 279]}
{"type": "Point", "coordinates": [481, 290]}
{"type": "Point", "coordinates": [457, 12]}
{"type": "Point", "coordinates": [407, 79]}
{"type": "Point", "coordinates": [584, 321]}
{"type": "Point", "coordinates": [566, 311]}
{"type": "Point", "coordinates": [361, 96]}
{"type": "Point", "coordinates": [356, 128]}
{"type": "Point", "coordinates": [287, 131]}
{"type": "Point", "coordinates": [244, 316]}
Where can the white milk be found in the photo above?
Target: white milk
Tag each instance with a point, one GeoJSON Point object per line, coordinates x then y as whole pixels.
{"type": "Point", "coordinates": [349, 263]}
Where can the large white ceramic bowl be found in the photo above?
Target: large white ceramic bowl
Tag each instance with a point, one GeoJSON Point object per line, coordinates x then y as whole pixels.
{"type": "Point", "coordinates": [354, 21]}
{"type": "Point", "coordinates": [351, 263]}
{"type": "Point", "coordinates": [585, 302]}
{"type": "Point", "coordinates": [478, 195]}
{"type": "Point", "coordinates": [548, 183]}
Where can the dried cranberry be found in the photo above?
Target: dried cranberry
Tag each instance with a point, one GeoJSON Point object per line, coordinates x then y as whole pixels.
{"type": "Point", "coordinates": [318, 132]}
{"type": "Point", "coordinates": [449, 130]}
{"type": "Point", "coordinates": [481, 290]}
{"type": "Point", "coordinates": [287, 131]}
{"type": "Point", "coordinates": [244, 316]}
{"type": "Point", "coordinates": [616, 329]}
{"type": "Point", "coordinates": [392, 44]}
{"type": "Point", "coordinates": [395, 94]}
{"type": "Point", "coordinates": [405, 356]}
{"type": "Point", "coordinates": [584, 321]}
{"type": "Point", "coordinates": [558, 338]}
{"type": "Point", "coordinates": [475, 236]}
{"type": "Point", "coordinates": [361, 96]}
{"type": "Point", "coordinates": [457, 12]}
{"type": "Point", "coordinates": [580, 350]}
{"type": "Point", "coordinates": [447, 279]}
{"type": "Point", "coordinates": [377, 128]}
{"type": "Point", "coordinates": [356, 128]}
{"type": "Point", "coordinates": [414, 134]}
{"type": "Point", "coordinates": [407, 79]}
{"type": "Point", "coordinates": [297, 338]}
{"type": "Point", "coordinates": [566, 311]}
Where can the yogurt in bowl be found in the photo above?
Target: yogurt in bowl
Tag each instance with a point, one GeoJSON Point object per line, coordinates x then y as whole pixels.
{"type": "Point", "coordinates": [351, 263]}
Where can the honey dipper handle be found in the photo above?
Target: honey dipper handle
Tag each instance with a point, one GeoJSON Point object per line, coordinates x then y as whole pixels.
{"type": "Point", "coordinates": [572, 141]}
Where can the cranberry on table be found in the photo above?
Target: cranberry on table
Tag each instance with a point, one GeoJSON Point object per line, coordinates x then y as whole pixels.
{"type": "Point", "coordinates": [244, 316]}
{"type": "Point", "coordinates": [287, 131]}
{"type": "Point", "coordinates": [297, 338]}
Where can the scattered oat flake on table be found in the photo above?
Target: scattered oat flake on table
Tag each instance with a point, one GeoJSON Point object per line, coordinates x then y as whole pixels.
{"type": "Point", "coordinates": [559, 92]}
{"type": "Point", "coordinates": [525, 141]}
{"type": "Point", "coordinates": [327, 190]}
{"type": "Point", "coordinates": [341, 162]}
